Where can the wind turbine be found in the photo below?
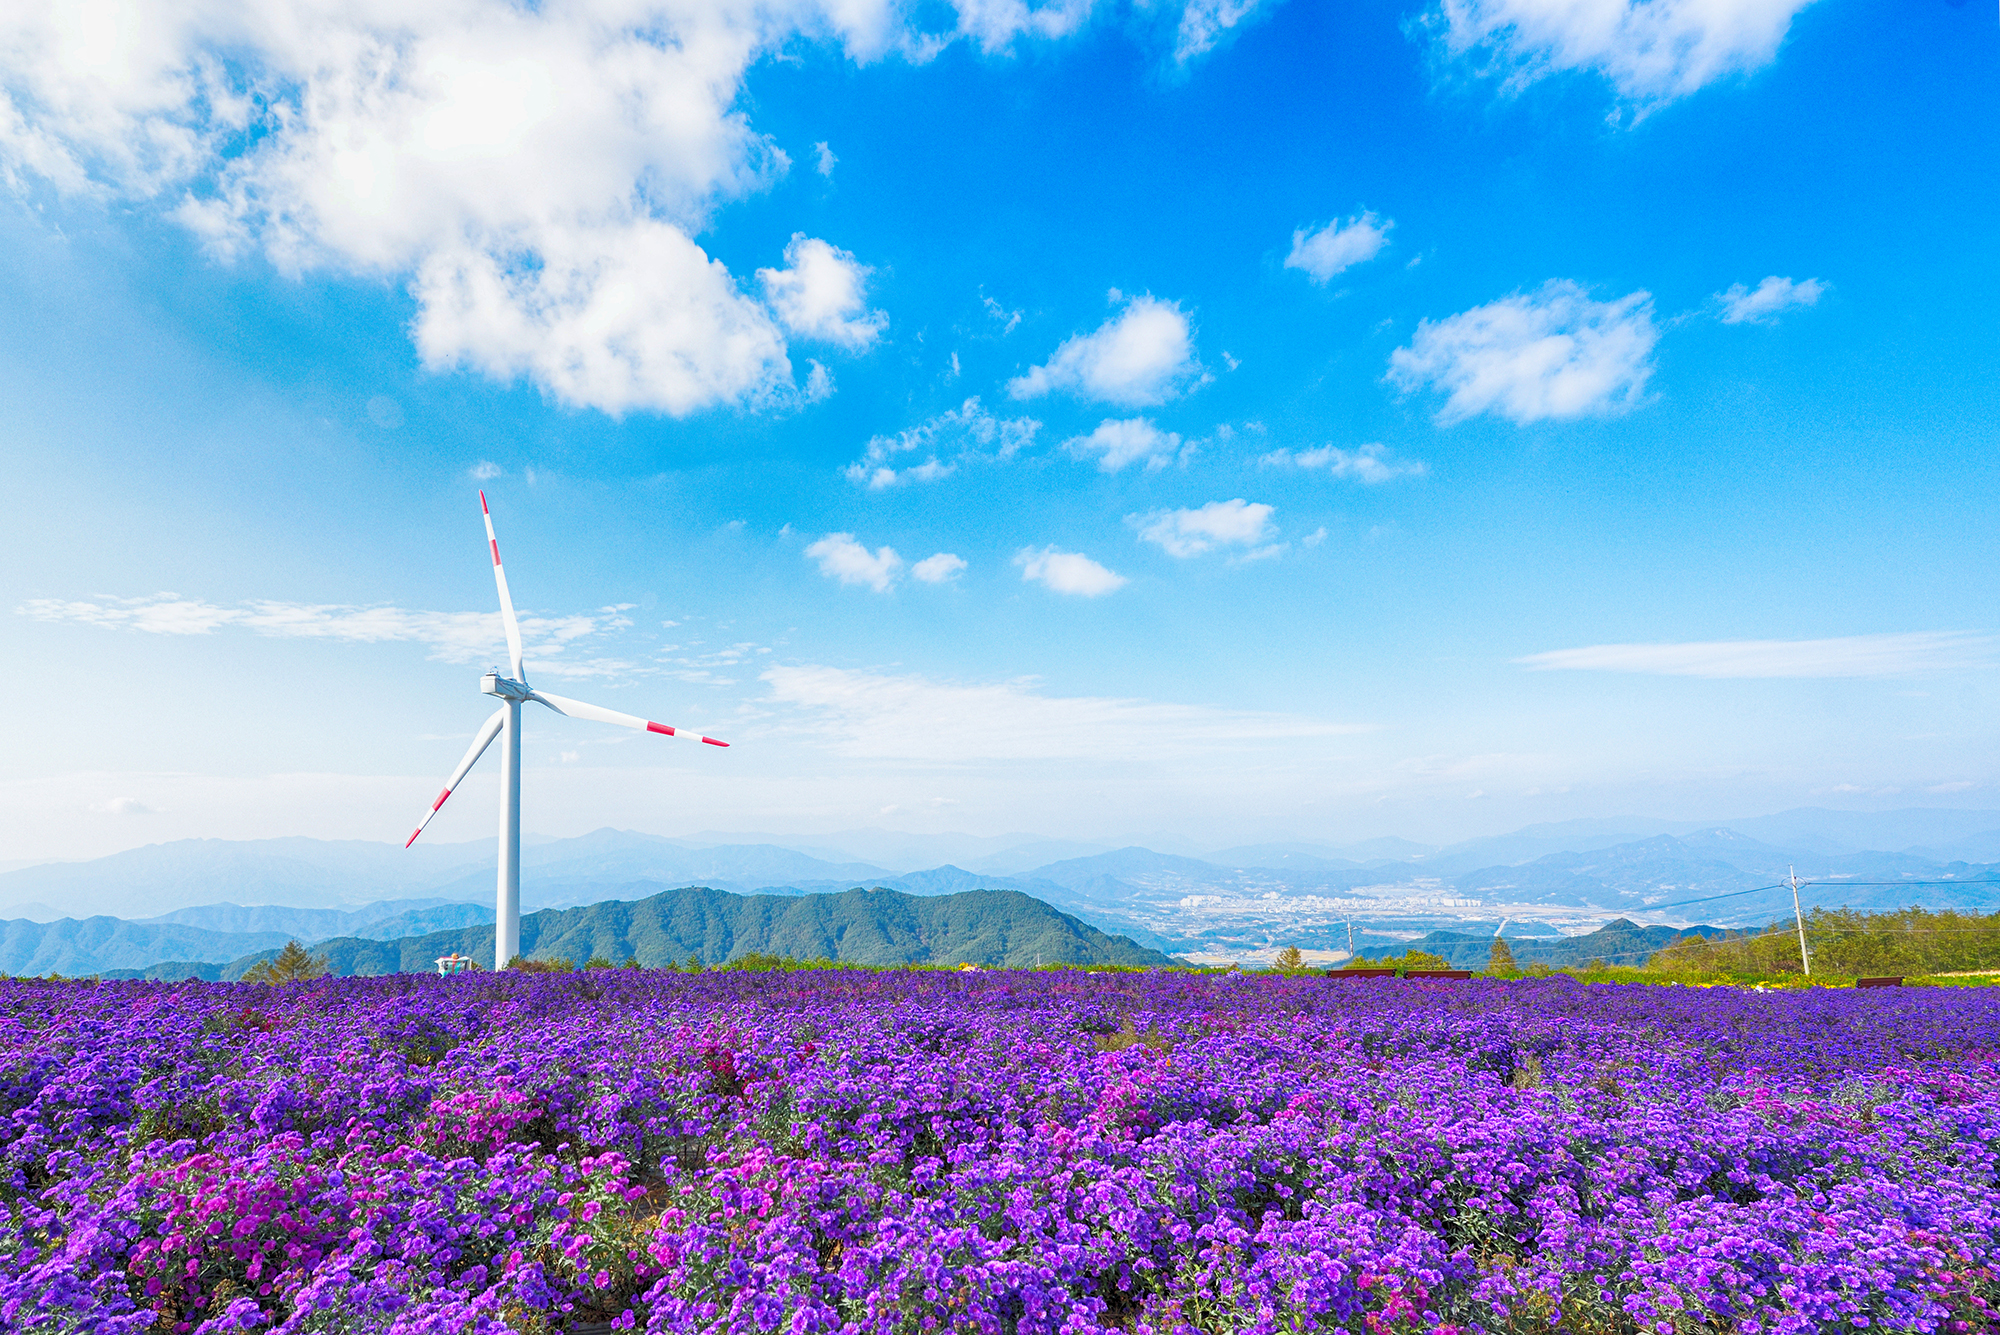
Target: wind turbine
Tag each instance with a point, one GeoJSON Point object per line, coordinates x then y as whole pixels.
{"type": "Point", "coordinates": [506, 720]}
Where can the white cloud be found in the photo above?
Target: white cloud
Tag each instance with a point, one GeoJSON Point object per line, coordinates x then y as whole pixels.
{"type": "Point", "coordinates": [964, 433]}
{"type": "Point", "coordinates": [1651, 50]}
{"type": "Point", "coordinates": [1552, 353]}
{"type": "Point", "coordinates": [485, 470]}
{"type": "Point", "coordinates": [122, 806]}
{"type": "Point", "coordinates": [1117, 443]}
{"type": "Point", "coordinates": [1184, 533]}
{"type": "Point", "coordinates": [1067, 572]}
{"type": "Point", "coordinates": [1206, 22]}
{"type": "Point", "coordinates": [1893, 655]}
{"type": "Point", "coordinates": [621, 317]}
{"type": "Point", "coordinates": [1367, 463]}
{"type": "Point", "coordinates": [823, 159]}
{"type": "Point", "coordinates": [1760, 305]}
{"type": "Point", "coordinates": [880, 716]}
{"type": "Point", "coordinates": [938, 569]}
{"type": "Point", "coordinates": [535, 172]}
{"type": "Point", "coordinates": [1009, 320]}
{"type": "Point", "coordinates": [1338, 246]}
{"type": "Point", "coordinates": [1144, 354]}
{"type": "Point", "coordinates": [452, 637]}
{"type": "Point", "coordinates": [841, 557]}
{"type": "Point", "coordinates": [822, 295]}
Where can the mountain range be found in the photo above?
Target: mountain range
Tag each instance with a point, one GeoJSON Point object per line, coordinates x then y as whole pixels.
{"type": "Point", "coordinates": [993, 928]}
{"type": "Point", "coordinates": [212, 901]}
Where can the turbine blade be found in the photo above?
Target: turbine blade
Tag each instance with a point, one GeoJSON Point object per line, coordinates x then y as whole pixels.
{"type": "Point", "coordinates": [578, 709]}
{"type": "Point", "coordinates": [487, 732]}
{"type": "Point", "coordinates": [506, 598]}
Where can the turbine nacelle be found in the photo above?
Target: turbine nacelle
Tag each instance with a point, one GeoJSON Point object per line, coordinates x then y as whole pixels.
{"type": "Point", "coordinates": [506, 688]}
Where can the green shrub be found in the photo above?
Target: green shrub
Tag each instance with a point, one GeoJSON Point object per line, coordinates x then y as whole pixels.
{"type": "Point", "coordinates": [293, 964]}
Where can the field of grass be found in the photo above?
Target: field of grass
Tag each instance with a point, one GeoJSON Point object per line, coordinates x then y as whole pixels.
{"type": "Point", "coordinates": [915, 1151]}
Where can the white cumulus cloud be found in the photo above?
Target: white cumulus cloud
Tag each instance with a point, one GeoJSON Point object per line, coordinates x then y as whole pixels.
{"type": "Point", "coordinates": [822, 294]}
{"type": "Point", "coordinates": [1551, 353]}
{"type": "Point", "coordinates": [939, 568]}
{"type": "Point", "coordinates": [1142, 355]}
{"type": "Point", "coordinates": [1338, 246]}
{"type": "Point", "coordinates": [536, 173]}
{"type": "Point", "coordinates": [1185, 533]}
{"type": "Point", "coordinates": [1891, 655]}
{"type": "Point", "coordinates": [1761, 304]}
{"type": "Point", "coordinates": [841, 557]}
{"type": "Point", "coordinates": [622, 318]}
{"type": "Point", "coordinates": [1067, 572]}
{"type": "Point", "coordinates": [1652, 51]}
{"type": "Point", "coordinates": [1366, 463]}
{"type": "Point", "coordinates": [1116, 443]}
{"type": "Point", "coordinates": [962, 434]}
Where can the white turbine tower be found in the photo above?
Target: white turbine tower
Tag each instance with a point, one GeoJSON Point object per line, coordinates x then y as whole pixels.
{"type": "Point", "coordinates": [506, 720]}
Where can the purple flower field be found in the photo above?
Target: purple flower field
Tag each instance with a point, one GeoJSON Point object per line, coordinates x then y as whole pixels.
{"type": "Point", "coordinates": [909, 1151]}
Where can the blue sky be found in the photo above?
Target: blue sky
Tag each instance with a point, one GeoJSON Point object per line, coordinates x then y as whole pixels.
{"type": "Point", "coordinates": [1282, 420]}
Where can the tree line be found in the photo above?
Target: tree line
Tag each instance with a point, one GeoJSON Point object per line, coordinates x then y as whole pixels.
{"type": "Point", "coordinates": [1846, 942]}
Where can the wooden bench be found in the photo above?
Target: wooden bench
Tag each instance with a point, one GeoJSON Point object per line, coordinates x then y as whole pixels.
{"type": "Point", "coordinates": [1362, 973]}
{"type": "Point", "coordinates": [1439, 973]}
{"type": "Point", "coordinates": [1897, 981]}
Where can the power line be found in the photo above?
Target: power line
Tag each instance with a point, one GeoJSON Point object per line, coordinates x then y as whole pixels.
{"type": "Point", "coordinates": [1786, 885]}
{"type": "Point", "coordinates": [1710, 899]}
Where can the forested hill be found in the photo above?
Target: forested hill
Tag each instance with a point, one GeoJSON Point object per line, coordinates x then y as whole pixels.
{"type": "Point", "coordinates": [1620, 941]}
{"type": "Point", "coordinates": [1000, 928]}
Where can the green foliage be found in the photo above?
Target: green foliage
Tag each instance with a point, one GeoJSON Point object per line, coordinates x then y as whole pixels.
{"type": "Point", "coordinates": [1411, 959]}
{"type": "Point", "coordinates": [1842, 944]}
{"type": "Point", "coordinates": [1290, 960]}
{"type": "Point", "coordinates": [522, 964]}
{"type": "Point", "coordinates": [755, 962]}
{"type": "Point", "coordinates": [597, 962]}
{"type": "Point", "coordinates": [293, 964]}
{"type": "Point", "coordinates": [1500, 959]}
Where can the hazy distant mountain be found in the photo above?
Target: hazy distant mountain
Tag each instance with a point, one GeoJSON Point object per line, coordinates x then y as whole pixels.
{"type": "Point", "coordinates": [1982, 847]}
{"type": "Point", "coordinates": [987, 927]}
{"type": "Point", "coordinates": [216, 934]}
{"type": "Point", "coordinates": [304, 873]}
{"type": "Point", "coordinates": [1282, 857]}
{"type": "Point", "coordinates": [1037, 853]}
{"type": "Point", "coordinates": [1127, 865]}
{"type": "Point", "coordinates": [306, 924]}
{"type": "Point", "coordinates": [561, 871]}
{"type": "Point", "coordinates": [1664, 871]}
{"type": "Point", "coordinates": [1002, 854]}
{"type": "Point", "coordinates": [90, 945]}
{"type": "Point", "coordinates": [1859, 831]}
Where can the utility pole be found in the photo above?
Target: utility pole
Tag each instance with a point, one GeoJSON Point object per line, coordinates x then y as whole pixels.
{"type": "Point", "coordinates": [1805, 961]}
{"type": "Point", "coordinates": [1350, 938]}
